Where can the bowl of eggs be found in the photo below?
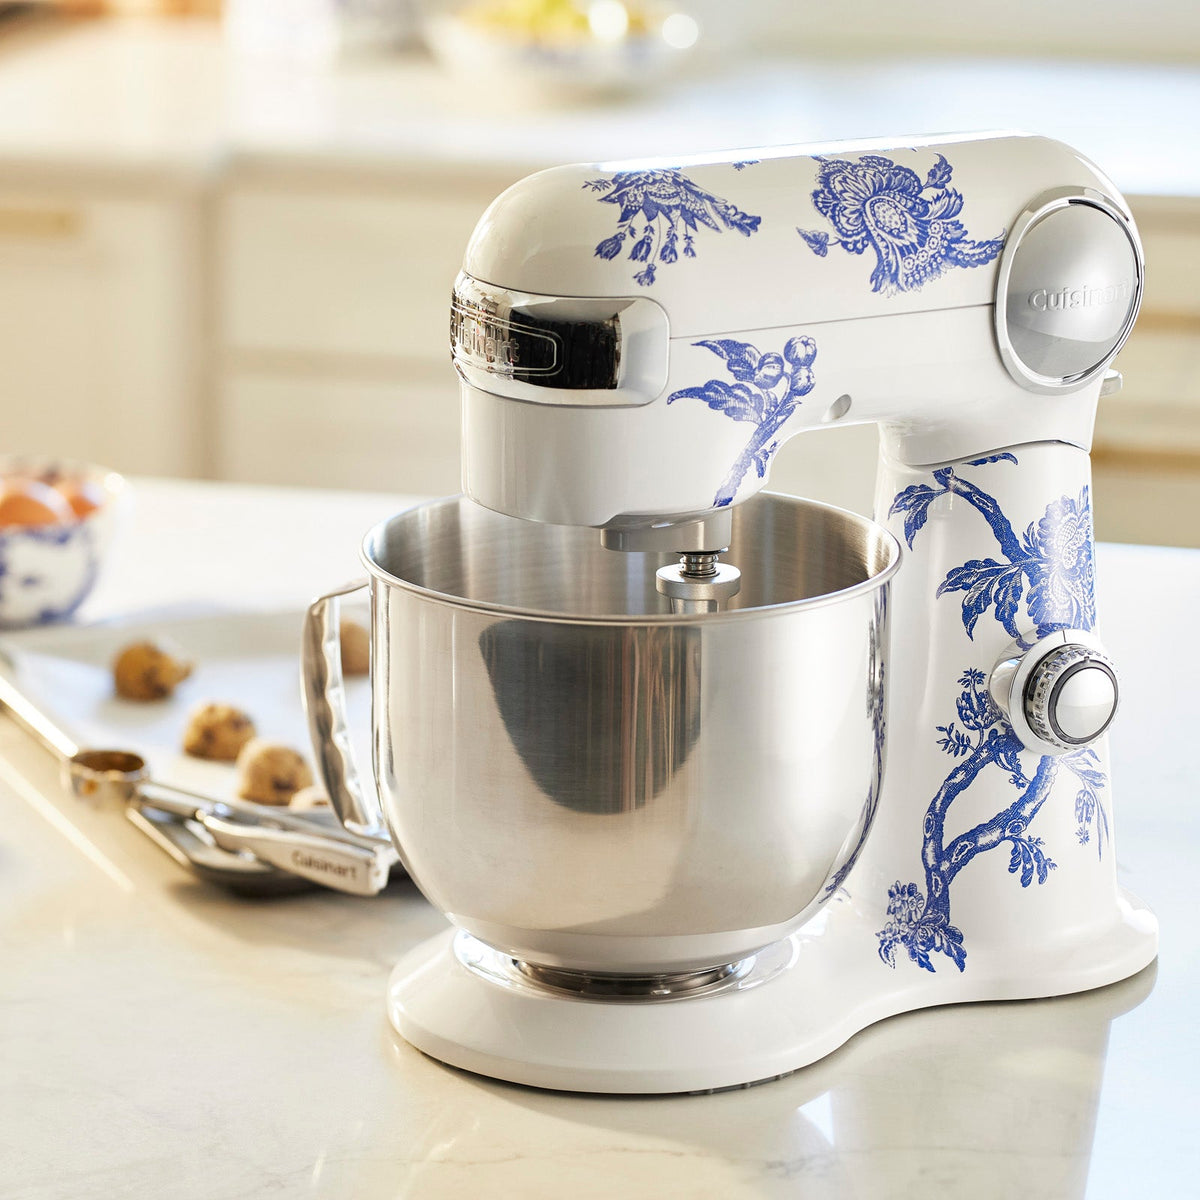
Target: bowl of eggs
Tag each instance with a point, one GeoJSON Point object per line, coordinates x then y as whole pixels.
{"type": "Point", "coordinates": [56, 522]}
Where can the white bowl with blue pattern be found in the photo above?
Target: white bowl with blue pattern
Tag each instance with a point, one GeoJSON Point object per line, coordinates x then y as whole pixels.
{"type": "Point", "coordinates": [47, 571]}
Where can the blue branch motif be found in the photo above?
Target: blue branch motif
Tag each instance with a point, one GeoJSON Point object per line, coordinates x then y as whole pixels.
{"type": "Point", "coordinates": [767, 389]}
{"type": "Point", "coordinates": [910, 225]}
{"type": "Point", "coordinates": [656, 208]}
{"type": "Point", "coordinates": [1050, 567]}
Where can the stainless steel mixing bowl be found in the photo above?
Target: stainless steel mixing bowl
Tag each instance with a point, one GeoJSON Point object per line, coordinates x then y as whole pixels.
{"type": "Point", "coordinates": [587, 782]}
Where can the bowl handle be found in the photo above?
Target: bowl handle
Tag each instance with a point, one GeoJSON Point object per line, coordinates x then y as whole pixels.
{"type": "Point", "coordinates": [356, 807]}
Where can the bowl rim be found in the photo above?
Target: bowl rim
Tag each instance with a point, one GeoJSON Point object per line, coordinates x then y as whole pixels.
{"type": "Point", "coordinates": [874, 582]}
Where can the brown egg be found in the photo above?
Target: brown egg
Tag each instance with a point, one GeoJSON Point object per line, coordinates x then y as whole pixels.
{"type": "Point", "coordinates": [83, 496]}
{"type": "Point", "coordinates": [29, 502]}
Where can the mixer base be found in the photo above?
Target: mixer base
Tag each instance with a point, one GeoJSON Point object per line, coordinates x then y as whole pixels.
{"type": "Point", "coordinates": [798, 1001]}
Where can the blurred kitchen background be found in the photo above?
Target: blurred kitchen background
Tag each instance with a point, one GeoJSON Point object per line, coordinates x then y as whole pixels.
{"type": "Point", "coordinates": [228, 230]}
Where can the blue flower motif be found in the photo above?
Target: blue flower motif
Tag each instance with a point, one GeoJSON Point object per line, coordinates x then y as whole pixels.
{"type": "Point", "coordinates": [1062, 578]}
{"type": "Point", "coordinates": [918, 929]}
{"type": "Point", "coordinates": [905, 901]}
{"type": "Point", "coordinates": [767, 389]}
{"type": "Point", "coordinates": [910, 225]}
{"type": "Point", "coordinates": [656, 206]}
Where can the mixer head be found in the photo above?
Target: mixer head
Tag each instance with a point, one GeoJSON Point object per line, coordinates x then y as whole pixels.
{"type": "Point", "coordinates": [636, 340]}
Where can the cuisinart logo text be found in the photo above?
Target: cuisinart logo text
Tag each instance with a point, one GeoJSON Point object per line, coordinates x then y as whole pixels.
{"type": "Point", "coordinates": [1044, 300]}
{"type": "Point", "coordinates": [322, 864]}
{"type": "Point", "coordinates": [500, 344]}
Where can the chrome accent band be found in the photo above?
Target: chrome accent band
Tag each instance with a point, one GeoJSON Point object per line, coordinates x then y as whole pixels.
{"type": "Point", "coordinates": [585, 985]}
{"type": "Point", "coordinates": [562, 350]}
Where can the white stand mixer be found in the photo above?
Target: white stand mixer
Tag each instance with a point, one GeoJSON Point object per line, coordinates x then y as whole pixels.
{"type": "Point", "coordinates": [635, 341]}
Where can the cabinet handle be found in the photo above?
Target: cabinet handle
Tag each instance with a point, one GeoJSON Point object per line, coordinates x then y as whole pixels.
{"type": "Point", "coordinates": [30, 221]}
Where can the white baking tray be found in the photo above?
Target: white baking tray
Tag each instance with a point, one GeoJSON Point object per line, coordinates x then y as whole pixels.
{"type": "Point", "coordinates": [248, 659]}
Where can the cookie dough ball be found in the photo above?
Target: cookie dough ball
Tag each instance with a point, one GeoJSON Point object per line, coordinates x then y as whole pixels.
{"type": "Point", "coordinates": [356, 648]}
{"type": "Point", "coordinates": [308, 799]}
{"type": "Point", "coordinates": [269, 773]}
{"type": "Point", "coordinates": [149, 670]}
{"type": "Point", "coordinates": [217, 731]}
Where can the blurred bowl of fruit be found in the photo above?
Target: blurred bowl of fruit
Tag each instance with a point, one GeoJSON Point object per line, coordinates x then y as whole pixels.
{"type": "Point", "coordinates": [56, 523]}
{"type": "Point", "coordinates": [581, 48]}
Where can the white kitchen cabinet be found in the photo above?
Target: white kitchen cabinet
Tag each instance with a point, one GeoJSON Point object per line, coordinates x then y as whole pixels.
{"type": "Point", "coordinates": [379, 434]}
{"type": "Point", "coordinates": [100, 300]}
{"type": "Point", "coordinates": [333, 317]}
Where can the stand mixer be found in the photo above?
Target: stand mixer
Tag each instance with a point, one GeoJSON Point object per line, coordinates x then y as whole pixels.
{"type": "Point", "coordinates": [706, 779]}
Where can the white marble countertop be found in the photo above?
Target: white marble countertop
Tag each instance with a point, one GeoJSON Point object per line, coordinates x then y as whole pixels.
{"type": "Point", "coordinates": [159, 1037]}
{"type": "Point", "coordinates": [168, 98]}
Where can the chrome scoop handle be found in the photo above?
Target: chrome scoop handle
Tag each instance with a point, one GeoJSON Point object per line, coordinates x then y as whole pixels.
{"type": "Point", "coordinates": [356, 807]}
{"type": "Point", "coordinates": [360, 870]}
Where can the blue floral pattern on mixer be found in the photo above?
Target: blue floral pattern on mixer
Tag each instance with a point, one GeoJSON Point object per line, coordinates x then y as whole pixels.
{"type": "Point", "coordinates": [767, 390]}
{"type": "Point", "coordinates": [911, 225]}
{"type": "Point", "coordinates": [1055, 557]}
{"type": "Point", "coordinates": [656, 207]}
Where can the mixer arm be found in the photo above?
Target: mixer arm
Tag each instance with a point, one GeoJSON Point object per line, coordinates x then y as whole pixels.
{"type": "Point", "coordinates": [645, 377]}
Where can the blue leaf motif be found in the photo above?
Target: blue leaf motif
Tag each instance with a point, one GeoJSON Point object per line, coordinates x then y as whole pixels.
{"type": "Point", "coordinates": [741, 358]}
{"type": "Point", "coordinates": [939, 173]}
{"type": "Point", "coordinates": [1029, 857]}
{"type": "Point", "coordinates": [818, 242]}
{"type": "Point", "coordinates": [744, 223]}
{"type": "Point", "coordinates": [954, 742]}
{"type": "Point", "coordinates": [914, 502]}
{"type": "Point", "coordinates": [992, 458]}
{"type": "Point", "coordinates": [987, 583]}
{"type": "Point", "coordinates": [738, 401]}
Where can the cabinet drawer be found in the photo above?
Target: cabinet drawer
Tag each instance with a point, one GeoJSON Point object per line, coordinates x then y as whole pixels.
{"type": "Point", "coordinates": [340, 272]}
{"type": "Point", "coordinates": [99, 329]}
{"type": "Point", "coordinates": [377, 435]}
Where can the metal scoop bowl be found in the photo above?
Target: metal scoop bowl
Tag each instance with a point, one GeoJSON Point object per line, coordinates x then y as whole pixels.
{"type": "Point", "coordinates": [103, 775]}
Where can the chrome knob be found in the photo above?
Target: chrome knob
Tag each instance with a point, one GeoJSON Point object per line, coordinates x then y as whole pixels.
{"type": "Point", "coordinates": [1060, 694]}
{"type": "Point", "coordinates": [1071, 697]}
